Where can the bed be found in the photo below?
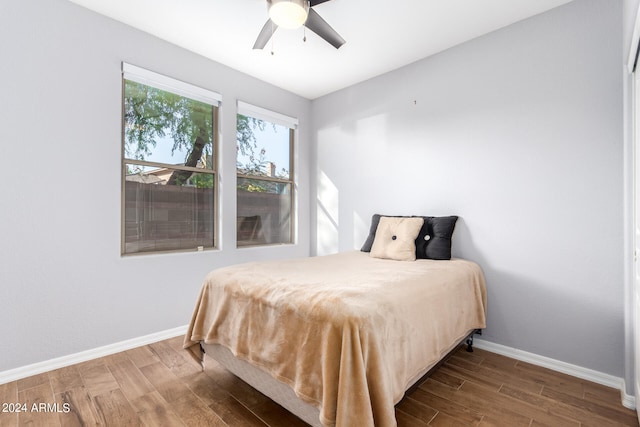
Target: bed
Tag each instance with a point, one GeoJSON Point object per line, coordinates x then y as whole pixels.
{"type": "Point", "coordinates": [337, 339]}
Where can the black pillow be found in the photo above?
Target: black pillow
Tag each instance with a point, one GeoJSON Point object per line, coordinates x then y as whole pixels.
{"type": "Point", "coordinates": [436, 246]}
{"type": "Point", "coordinates": [368, 244]}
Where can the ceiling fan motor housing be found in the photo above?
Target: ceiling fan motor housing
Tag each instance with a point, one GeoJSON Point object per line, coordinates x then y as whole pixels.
{"type": "Point", "coordinates": [289, 14]}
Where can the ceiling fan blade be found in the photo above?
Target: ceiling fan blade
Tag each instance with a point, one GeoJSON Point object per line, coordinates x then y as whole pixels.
{"type": "Point", "coordinates": [267, 31]}
{"type": "Point", "coordinates": [319, 26]}
{"type": "Point", "coordinates": [316, 2]}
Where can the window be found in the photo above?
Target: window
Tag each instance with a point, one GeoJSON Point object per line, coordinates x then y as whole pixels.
{"type": "Point", "coordinates": [265, 186]}
{"type": "Point", "coordinates": [169, 178]}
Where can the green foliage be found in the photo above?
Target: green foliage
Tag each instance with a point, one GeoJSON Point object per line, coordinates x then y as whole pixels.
{"type": "Point", "coordinates": [261, 186]}
{"type": "Point", "coordinates": [245, 136]}
{"type": "Point", "coordinates": [247, 146]}
{"type": "Point", "coordinates": [202, 180]}
{"type": "Point", "coordinates": [151, 114]}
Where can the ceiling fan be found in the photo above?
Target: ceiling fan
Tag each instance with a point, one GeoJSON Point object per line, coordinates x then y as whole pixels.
{"type": "Point", "coordinates": [292, 14]}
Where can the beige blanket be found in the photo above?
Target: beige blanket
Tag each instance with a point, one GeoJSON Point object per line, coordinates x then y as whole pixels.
{"type": "Point", "coordinates": [349, 333]}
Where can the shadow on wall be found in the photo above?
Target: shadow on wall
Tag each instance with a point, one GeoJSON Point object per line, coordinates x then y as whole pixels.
{"type": "Point", "coordinates": [498, 322]}
{"type": "Point", "coordinates": [548, 306]}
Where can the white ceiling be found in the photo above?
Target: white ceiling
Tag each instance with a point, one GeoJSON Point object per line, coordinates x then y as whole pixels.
{"type": "Point", "coordinates": [381, 35]}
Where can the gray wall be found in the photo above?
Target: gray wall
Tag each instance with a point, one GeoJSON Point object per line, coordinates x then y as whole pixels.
{"type": "Point", "coordinates": [520, 133]}
{"type": "Point", "coordinates": [64, 287]}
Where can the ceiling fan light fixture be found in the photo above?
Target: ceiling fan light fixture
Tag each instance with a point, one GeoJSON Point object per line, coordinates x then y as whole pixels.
{"type": "Point", "coordinates": [289, 14]}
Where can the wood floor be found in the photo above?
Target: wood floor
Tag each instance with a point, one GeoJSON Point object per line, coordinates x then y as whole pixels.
{"type": "Point", "coordinates": [160, 385]}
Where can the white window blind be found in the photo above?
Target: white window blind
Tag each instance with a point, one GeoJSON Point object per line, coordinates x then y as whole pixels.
{"type": "Point", "coordinates": [150, 78]}
{"type": "Point", "coordinates": [267, 115]}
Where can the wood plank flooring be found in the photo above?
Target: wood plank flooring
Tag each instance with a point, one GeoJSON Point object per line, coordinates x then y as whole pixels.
{"type": "Point", "coordinates": [160, 385]}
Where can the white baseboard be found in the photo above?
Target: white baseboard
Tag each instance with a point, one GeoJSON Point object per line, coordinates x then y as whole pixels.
{"type": "Point", "coordinates": [556, 365]}
{"type": "Point", "coordinates": [627, 400]}
{"type": "Point", "coordinates": [83, 356]}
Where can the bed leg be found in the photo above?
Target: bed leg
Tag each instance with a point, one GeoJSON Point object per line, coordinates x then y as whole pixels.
{"type": "Point", "coordinates": [469, 343]}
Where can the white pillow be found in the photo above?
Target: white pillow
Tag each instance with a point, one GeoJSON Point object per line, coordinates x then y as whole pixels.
{"type": "Point", "coordinates": [396, 238]}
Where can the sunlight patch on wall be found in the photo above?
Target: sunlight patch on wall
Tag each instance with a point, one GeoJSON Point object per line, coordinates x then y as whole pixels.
{"type": "Point", "coordinates": [328, 216]}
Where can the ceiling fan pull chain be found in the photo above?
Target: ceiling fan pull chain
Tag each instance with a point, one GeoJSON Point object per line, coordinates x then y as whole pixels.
{"type": "Point", "coordinates": [304, 33]}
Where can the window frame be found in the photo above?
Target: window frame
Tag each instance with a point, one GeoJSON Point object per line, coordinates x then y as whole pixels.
{"type": "Point", "coordinates": [168, 84]}
{"type": "Point", "coordinates": [269, 116]}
